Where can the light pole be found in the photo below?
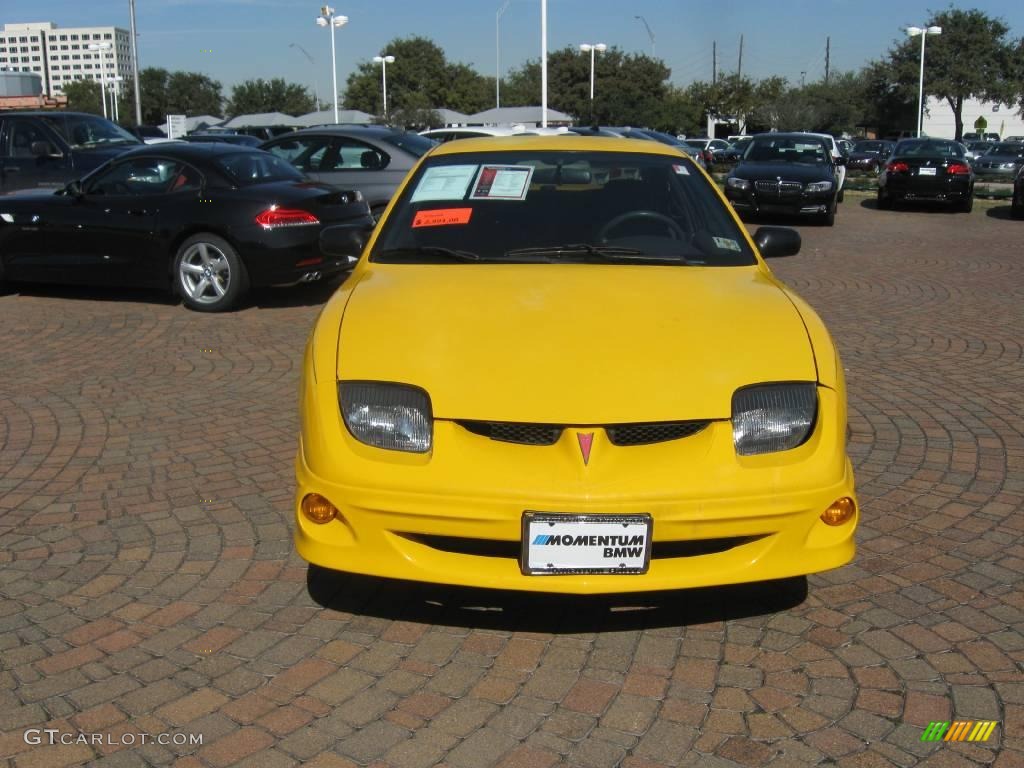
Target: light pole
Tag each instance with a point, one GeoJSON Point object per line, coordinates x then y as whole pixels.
{"type": "Point", "coordinates": [101, 48]}
{"type": "Point", "coordinates": [316, 90]}
{"type": "Point", "coordinates": [115, 90]}
{"type": "Point", "coordinates": [923, 32]}
{"type": "Point", "coordinates": [497, 53]}
{"type": "Point", "coordinates": [327, 18]}
{"type": "Point", "coordinates": [544, 63]}
{"type": "Point", "coordinates": [592, 48]}
{"type": "Point", "coordinates": [384, 61]}
{"type": "Point", "coordinates": [650, 34]}
{"type": "Point", "coordinates": [135, 64]}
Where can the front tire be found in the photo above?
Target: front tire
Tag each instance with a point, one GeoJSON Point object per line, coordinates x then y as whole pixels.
{"type": "Point", "coordinates": [209, 276]}
{"type": "Point", "coordinates": [884, 201]}
{"type": "Point", "coordinates": [829, 219]}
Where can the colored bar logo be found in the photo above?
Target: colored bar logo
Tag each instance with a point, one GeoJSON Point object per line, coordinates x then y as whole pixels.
{"type": "Point", "coordinates": [959, 730]}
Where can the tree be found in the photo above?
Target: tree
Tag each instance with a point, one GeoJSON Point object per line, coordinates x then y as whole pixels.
{"type": "Point", "coordinates": [276, 95]}
{"type": "Point", "coordinates": [971, 58]}
{"type": "Point", "coordinates": [420, 78]}
{"type": "Point", "coordinates": [629, 89]}
{"type": "Point", "coordinates": [84, 96]}
{"type": "Point", "coordinates": [173, 93]}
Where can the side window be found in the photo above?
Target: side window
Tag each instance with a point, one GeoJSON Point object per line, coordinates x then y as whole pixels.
{"type": "Point", "coordinates": [21, 134]}
{"type": "Point", "coordinates": [188, 179]}
{"type": "Point", "coordinates": [306, 153]}
{"type": "Point", "coordinates": [352, 155]}
{"type": "Point", "coordinates": [141, 176]}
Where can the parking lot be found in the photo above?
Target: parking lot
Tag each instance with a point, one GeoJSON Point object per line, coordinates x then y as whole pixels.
{"type": "Point", "coordinates": [149, 584]}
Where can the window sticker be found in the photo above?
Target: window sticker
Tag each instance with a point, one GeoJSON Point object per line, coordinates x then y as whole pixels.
{"type": "Point", "coordinates": [442, 217]}
{"type": "Point", "coordinates": [444, 182]}
{"type": "Point", "coordinates": [681, 170]}
{"type": "Point", "coordinates": [502, 182]}
{"type": "Point", "coordinates": [727, 243]}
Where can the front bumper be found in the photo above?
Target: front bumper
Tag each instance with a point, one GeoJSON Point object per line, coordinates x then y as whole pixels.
{"type": "Point", "coordinates": [455, 516]}
{"type": "Point", "coordinates": [796, 204]}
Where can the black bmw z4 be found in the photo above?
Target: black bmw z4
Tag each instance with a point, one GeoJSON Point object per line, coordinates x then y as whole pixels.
{"type": "Point", "coordinates": [208, 221]}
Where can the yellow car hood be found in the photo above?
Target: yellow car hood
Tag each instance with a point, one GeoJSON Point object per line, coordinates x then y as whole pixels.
{"type": "Point", "coordinates": [573, 344]}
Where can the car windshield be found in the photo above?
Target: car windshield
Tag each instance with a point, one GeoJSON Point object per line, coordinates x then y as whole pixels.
{"type": "Point", "coordinates": [561, 206]}
{"type": "Point", "coordinates": [257, 168]}
{"type": "Point", "coordinates": [413, 143]}
{"type": "Point", "coordinates": [697, 143]}
{"type": "Point", "coordinates": [873, 147]}
{"type": "Point", "coordinates": [85, 131]}
{"type": "Point", "coordinates": [1011, 149]}
{"type": "Point", "coordinates": [787, 149]}
{"type": "Point", "coordinates": [979, 146]}
{"type": "Point", "coordinates": [928, 148]}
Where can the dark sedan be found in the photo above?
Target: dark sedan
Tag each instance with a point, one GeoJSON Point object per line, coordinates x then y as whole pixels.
{"type": "Point", "coordinates": [47, 149]}
{"type": "Point", "coordinates": [208, 221]}
{"type": "Point", "coordinates": [934, 170]}
{"type": "Point", "coordinates": [1018, 196]}
{"type": "Point", "coordinates": [734, 152]}
{"type": "Point", "coordinates": [869, 156]}
{"type": "Point", "coordinates": [372, 159]}
{"type": "Point", "coordinates": [787, 173]}
{"type": "Point", "coordinates": [1002, 162]}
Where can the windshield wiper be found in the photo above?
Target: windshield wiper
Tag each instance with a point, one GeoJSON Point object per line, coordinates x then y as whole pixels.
{"type": "Point", "coordinates": [410, 253]}
{"type": "Point", "coordinates": [601, 252]}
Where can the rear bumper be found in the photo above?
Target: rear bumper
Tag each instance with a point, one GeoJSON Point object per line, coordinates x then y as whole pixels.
{"type": "Point", "coordinates": [941, 190]}
{"type": "Point", "coordinates": [287, 256]}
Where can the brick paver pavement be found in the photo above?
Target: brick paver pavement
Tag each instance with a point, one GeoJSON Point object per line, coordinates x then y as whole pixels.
{"type": "Point", "coordinates": [148, 583]}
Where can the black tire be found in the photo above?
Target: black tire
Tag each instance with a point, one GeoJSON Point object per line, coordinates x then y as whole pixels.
{"type": "Point", "coordinates": [216, 280]}
{"type": "Point", "coordinates": [1017, 208]}
{"type": "Point", "coordinates": [884, 201]}
{"type": "Point", "coordinates": [966, 206]}
{"type": "Point", "coordinates": [829, 219]}
{"type": "Point", "coordinates": [842, 194]}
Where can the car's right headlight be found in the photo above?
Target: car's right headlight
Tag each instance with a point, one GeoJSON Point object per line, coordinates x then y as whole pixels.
{"type": "Point", "coordinates": [395, 417]}
{"type": "Point", "coordinates": [773, 417]}
{"type": "Point", "coordinates": [733, 183]}
{"type": "Point", "coordinates": [818, 186]}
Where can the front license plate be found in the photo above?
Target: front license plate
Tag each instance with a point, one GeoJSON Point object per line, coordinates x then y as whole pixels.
{"type": "Point", "coordinates": [567, 544]}
{"type": "Point", "coordinates": [925, 171]}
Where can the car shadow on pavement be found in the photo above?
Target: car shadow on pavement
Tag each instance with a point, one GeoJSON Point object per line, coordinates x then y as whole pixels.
{"type": "Point", "coordinates": [1000, 212]}
{"type": "Point", "coordinates": [306, 295]}
{"type": "Point", "coordinates": [540, 612]}
{"type": "Point", "coordinates": [93, 293]}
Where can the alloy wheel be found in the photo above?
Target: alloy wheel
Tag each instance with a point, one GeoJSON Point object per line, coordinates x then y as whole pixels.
{"type": "Point", "coordinates": [204, 273]}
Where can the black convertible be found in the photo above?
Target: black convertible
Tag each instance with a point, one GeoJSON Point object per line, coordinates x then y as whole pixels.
{"type": "Point", "coordinates": [208, 221]}
{"type": "Point", "coordinates": [788, 173]}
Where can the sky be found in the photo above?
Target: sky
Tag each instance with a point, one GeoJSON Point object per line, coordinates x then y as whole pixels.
{"type": "Point", "coordinates": [251, 38]}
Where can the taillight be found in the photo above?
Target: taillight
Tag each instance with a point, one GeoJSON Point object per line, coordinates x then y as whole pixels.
{"type": "Point", "coordinates": [275, 217]}
{"type": "Point", "coordinates": [897, 166]}
{"type": "Point", "coordinates": [958, 169]}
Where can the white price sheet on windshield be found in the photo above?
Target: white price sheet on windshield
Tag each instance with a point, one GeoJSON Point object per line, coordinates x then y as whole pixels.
{"type": "Point", "coordinates": [444, 182]}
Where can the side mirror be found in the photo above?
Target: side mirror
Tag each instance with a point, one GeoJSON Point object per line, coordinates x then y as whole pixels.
{"type": "Point", "coordinates": [839, 160]}
{"type": "Point", "coordinates": [775, 242]}
{"type": "Point", "coordinates": [346, 240]}
{"type": "Point", "coordinates": [74, 188]}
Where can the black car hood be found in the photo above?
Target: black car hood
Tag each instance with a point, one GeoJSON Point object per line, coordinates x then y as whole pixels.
{"type": "Point", "coordinates": [786, 171]}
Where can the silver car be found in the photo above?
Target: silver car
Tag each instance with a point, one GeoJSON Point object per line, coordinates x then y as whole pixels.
{"type": "Point", "coordinates": [372, 159]}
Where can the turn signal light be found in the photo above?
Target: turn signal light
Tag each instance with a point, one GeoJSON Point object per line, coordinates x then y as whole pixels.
{"type": "Point", "coordinates": [275, 217]}
{"type": "Point", "coordinates": [897, 167]}
{"type": "Point", "coordinates": [839, 512]}
{"type": "Point", "coordinates": [318, 509]}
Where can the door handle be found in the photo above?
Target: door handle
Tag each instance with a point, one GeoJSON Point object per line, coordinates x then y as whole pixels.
{"type": "Point", "coordinates": [137, 212]}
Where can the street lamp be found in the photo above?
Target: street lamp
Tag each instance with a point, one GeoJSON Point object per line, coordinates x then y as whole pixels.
{"type": "Point", "coordinates": [923, 32]}
{"type": "Point", "coordinates": [115, 91]}
{"type": "Point", "coordinates": [316, 90]}
{"type": "Point", "coordinates": [497, 53]}
{"type": "Point", "coordinates": [650, 34]}
{"type": "Point", "coordinates": [384, 61]}
{"type": "Point", "coordinates": [592, 49]}
{"type": "Point", "coordinates": [103, 70]}
{"type": "Point", "coordinates": [327, 18]}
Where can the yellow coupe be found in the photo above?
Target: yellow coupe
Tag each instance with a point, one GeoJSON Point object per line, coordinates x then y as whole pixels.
{"type": "Point", "coordinates": [561, 364]}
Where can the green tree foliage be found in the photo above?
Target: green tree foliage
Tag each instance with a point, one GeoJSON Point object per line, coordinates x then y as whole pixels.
{"type": "Point", "coordinates": [973, 57]}
{"type": "Point", "coordinates": [172, 93]}
{"type": "Point", "coordinates": [84, 96]}
{"type": "Point", "coordinates": [629, 89]}
{"type": "Point", "coordinates": [420, 78]}
{"type": "Point", "coordinates": [275, 95]}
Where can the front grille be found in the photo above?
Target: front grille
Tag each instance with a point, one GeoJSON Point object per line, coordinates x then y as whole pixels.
{"type": "Point", "coordinates": [515, 432]}
{"type": "Point", "coordinates": [645, 434]}
{"type": "Point", "coordinates": [779, 188]}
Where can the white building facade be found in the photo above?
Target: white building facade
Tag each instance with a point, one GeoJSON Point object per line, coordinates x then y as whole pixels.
{"type": "Point", "coordinates": [1004, 119]}
{"type": "Point", "coordinates": [61, 55]}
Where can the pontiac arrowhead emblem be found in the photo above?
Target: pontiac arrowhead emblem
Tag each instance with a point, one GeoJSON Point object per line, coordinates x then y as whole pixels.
{"type": "Point", "coordinates": [586, 440]}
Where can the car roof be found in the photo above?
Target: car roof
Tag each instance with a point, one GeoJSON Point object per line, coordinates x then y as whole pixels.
{"type": "Point", "coordinates": [185, 150]}
{"type": "Point", "coordinates": [555, 142]}
{"type": "Point", "coordinates": [354, 130]}
{"type": "Point", "coordinates": [47, 113]}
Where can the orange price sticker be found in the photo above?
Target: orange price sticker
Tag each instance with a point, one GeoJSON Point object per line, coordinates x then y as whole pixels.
{"type": "Point", "coordinates": [442, 217]}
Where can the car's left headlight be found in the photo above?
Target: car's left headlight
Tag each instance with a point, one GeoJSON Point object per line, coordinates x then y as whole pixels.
{"type": "Point", "coordinates": [734, 183]}
{"type": "Point", "coordinates": [395, 417]}
{"type": "Point", "coordinates": [818, 186]}
{"type": "Point", "coordinates": [773, 417]}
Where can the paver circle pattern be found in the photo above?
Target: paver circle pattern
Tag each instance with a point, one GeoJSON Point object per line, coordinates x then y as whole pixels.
{"type": "Point", "coordinates": [148, 583]}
